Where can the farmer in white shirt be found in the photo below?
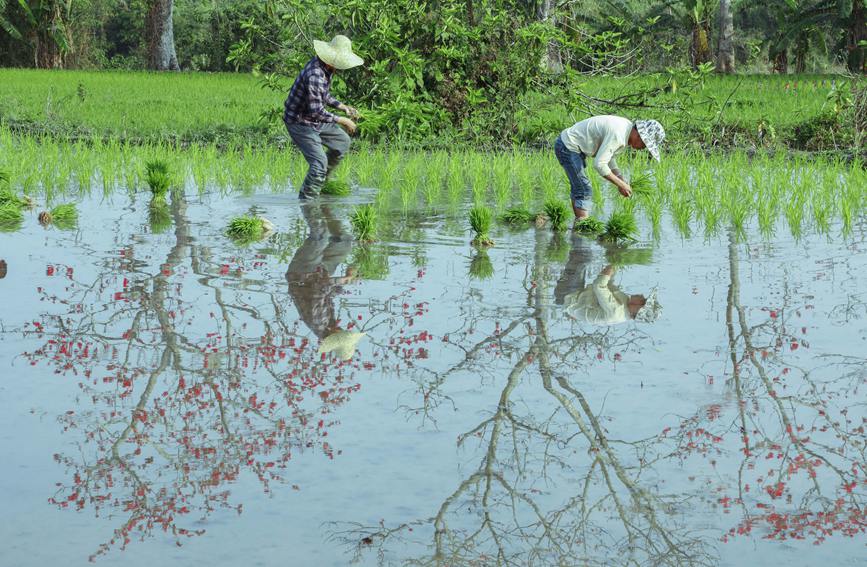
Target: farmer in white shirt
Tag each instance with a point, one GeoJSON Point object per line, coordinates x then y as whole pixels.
{"type": "Point", "coordinates": [602, 138]}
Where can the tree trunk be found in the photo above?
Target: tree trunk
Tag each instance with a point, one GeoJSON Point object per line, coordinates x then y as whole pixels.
{"type": "Point", "coordinates": [551, 61]}
{"type": "Point", "coordinates": [855, 59]}
{"type": "Point", "coordinates": [699, 49]}
{"type": "Point", "coordinates": [781, 62]}
{"type": "Point", "coordinates": [802, 46]}
{"type": "Point", "coordinates": [726, 52]}
{"type": "Point", "coordinates": [160, 34]}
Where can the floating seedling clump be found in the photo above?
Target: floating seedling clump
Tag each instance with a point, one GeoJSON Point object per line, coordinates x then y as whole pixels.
{"type": "Point", "coordinates": [590, 226]}
{"type": "Point", "coordinates": [158, 177]}
{"type": "Point", "coordinates": [517, 216]}
{"type": "Point", "coordinates": [248, 229]}
{"type": "Point", "coordinates": [558, 213]}
{"type": "Point", "coordinates": [336, 187]}
{"type": "Point", "coordinates": [621, 226]}
{"type": "Point", "coordinates": [364, 221]}
{"type": "Point", "coordinates": [480, 222]}
{"type": "Point", "coordinates": [11, 217]}
{"type": "Point", "coordinates": [65, 216]}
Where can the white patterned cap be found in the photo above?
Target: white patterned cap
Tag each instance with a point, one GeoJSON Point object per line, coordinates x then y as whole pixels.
{"type": "Point", "coordinates": [652, 135]}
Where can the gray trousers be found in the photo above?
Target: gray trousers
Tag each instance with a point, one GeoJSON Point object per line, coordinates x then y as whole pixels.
{"type": "Point", "coordinates": [310, 142]}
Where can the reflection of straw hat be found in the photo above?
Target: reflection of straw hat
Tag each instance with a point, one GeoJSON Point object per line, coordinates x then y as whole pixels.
{"type": "Point", "coordinates": [342, 343]}
{"type": "Point", "coordinates": [338, 53]}
{"type": "Point", "coordinates": [651, 310]}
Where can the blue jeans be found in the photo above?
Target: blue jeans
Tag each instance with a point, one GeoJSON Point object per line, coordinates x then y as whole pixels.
{"type": "Point", "coordinates": [309, 141]}
{"type": "Point", "coordinates": [575, 165]}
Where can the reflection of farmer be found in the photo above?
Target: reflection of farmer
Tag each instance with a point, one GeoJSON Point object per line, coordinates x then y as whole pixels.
{"type": "Point", "coordinates": [3, 269]}
{"type": "Point", "coordinates": [310, 125]}
{"type": "Point", "coordinates": [602, 138]}
{"type": "Point", "coordinates": [602, 302]}
{"type": "Point", "coordinates": [311, 285]}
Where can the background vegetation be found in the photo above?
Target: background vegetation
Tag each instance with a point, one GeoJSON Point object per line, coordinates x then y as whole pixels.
{"type": "Point", "coordinates": [487, 72]}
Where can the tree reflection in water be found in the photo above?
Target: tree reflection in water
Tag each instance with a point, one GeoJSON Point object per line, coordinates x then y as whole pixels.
{"type": "Point", "coordinates": [176, 403]}
{"type": "Point", "coordinates": [552, 486]}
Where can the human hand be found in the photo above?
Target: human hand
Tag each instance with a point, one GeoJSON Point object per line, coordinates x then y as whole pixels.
{"type": "Point", "coordinates": [625, 190]}
{"type": "Point", "coordinates": [347, 125]}
{"type": "Point", "coordinates": [351, 111]}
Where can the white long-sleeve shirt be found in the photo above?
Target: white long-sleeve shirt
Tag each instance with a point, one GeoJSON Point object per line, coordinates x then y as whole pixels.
{"type": "Point", "coordinates": [602, 137]}
{"type": "Point", "coordinates": [599, 303]}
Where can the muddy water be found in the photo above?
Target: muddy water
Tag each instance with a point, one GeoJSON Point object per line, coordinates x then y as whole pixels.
{"type": "Point", "coordinates": [165, 398]}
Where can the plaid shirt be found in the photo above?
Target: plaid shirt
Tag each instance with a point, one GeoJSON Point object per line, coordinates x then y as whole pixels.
{"type": "Point", "coordinates": [309, 96]}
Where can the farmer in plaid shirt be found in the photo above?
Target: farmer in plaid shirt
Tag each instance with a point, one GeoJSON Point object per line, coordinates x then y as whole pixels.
{"type": "Point", "coordinates": [310, 125]}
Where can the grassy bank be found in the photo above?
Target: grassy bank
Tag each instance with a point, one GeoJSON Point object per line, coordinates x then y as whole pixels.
{"type": "Point", "coordinates": [228, 109]}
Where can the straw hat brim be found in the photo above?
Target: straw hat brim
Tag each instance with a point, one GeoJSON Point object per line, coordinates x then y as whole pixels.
{"type": "Point", "coordinates": [336, 58]}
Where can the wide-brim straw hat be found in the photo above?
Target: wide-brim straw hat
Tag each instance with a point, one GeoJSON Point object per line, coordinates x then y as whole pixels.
{"type": "Point", "coordinates": [337, 53]}
{"type": "Point", "coordinates": [652, 135]}
{"type": "Point", "coordinates": [651, 310]}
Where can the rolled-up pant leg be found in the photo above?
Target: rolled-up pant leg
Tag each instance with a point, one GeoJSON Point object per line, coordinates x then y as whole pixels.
{"type": "Point", "coordinates": [309, 143]}
{"type": "Point", "coordinates": [581, 191]}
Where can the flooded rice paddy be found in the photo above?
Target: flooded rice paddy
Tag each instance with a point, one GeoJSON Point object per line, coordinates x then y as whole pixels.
{"type": "Point", "coordinates": [170, 398]}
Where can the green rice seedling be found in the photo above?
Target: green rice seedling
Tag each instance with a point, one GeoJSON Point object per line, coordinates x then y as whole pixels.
{"type": "Point", "coordinates": [455, 180]}
{"type": "Point", "coordinates": [64, 216]}
{"type": "Point", "coordinates": [503, 180]}
{"type": "Point", "coordinates": [767, 215]}
{"type": "Point", "coordinates": [642, 185]}
{"type": "Point", "coordinates": [480, 221]}
{"type": "Point", "coordinates": [557, 212]}
{"type": "Point", "coordinates": [370, 262]}
{"type": "Point", "coordinates": [481, 267]}
{"type": "Point", "coordinates": [412, 180]}
{"type": "Point", "coordinates": [364, 220]}
{"type": "Point", "coordinates": [590, 226]}
{"type": "Point", "coordinates": [158, 177]}
{"type": "Point", "coordinates": [247, 229]}
{"type": "Point", "coordinates": [525, 176]}
{"type": "Point", "coordinates": [159, 215]}
{"type": "Point", "coordinates": [598, 195]}
{"type": "Point", "coordinates": [619, 227]}
{"type": "Point", "coordinates": [517, 216]}
{"type": "Point", "coordinates": [9, 197]}
{"type": "Point", "coordinates": [549, 182]}
{"type": "Point", "coordinates": [336, 188]}
{"type": "Point", "coordinates": [681, 210]}
{"type": "Point", "coordinates": [795, 214]}
{"type": "Point", "coordinates": [436, 173]}
{"type": "Point", "coordinates": [11, 217]}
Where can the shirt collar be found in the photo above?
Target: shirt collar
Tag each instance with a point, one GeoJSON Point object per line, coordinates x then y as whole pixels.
{"type": "Point", "coordinates": [323, 66]}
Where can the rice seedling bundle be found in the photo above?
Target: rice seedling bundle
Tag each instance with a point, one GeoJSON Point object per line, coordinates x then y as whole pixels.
{"type": "Point", "coordinates": [619, 227]}
{"type": "Point", "coordinates": [517, 216]}
{"type": "Point", "coordinates": [64, 216]}
{"type": "Point", "coordinates": [11, 217]}
{"type": "Point", "coordinates": [480, 221]}
{"type": "Point", "coordinates": [364, 222]}
{"type": "Point", "coordinates": [642, 185]}
{"type": "Point", "coordinates": [590, 226]}
{"type": "Point", "coordinates": [158, 177]}
{"type": "Point", "coordinates": [557, 212]}
{"type": "Point", "coordinates": [247, 229]}
{"type": "Point", "coordinates": [336, 187]}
